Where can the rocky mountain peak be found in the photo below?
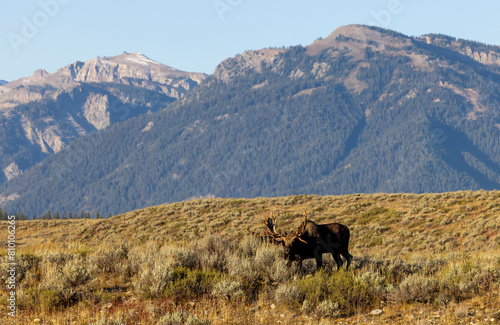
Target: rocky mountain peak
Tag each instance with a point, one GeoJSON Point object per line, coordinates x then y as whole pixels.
{"type": "Point", "coordinates": [355, 38]}
{"type": "Point", "coordinates": [241, 63]}
{"type": "Point", "coordinates": [39, 76]}
{"type": "Point", "coordinates": [124, 68]}
{"type": "Point", "coordinates": [351, 38]}
{"type": "Point", "coordinates": [49, 110]}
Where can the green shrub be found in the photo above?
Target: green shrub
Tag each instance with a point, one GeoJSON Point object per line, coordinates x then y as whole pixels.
{"type": "Point", "coordinates": [289, 295]}
{"type": "Point", "coordinates": [342, 287]}
{"type": "Point", "coordinates": [143, 256]}
{"type": "Point", "coordinates": [280, 271]}
{"type": "Point", "coordinates": [35, 298]}
{"type": "Point", "coordinates": [75, 273]}
{"type": "Point", "coordinates": [371, 215]}
{"type": "Point", "coordinates": [375, 284]}
{"type": "Point", "coordinates": [184, 257]}
{"type": "Point", "coordinates": [26, 264]}
{"type": "Point", "coordinates": [107, 259]}
{"type": "Point", "coordinates": [214, 252]}
{"type": "Point", "coordinates": [227, 290]}
{"type": "Point", "coordinates": [249, 246]}
{"type": "Point", "coordinates": [327, 308]}
{"type": "Point", "coordinates": [466, 278]}
{"type": "Point", "coordinates": [57, 258]}
{"type": "Point", "coordinates": [189, 283]}
{"type": "Point", "coordinates": [152, 282]}
{"type": "Point", "coordinates": [416, 288]}
{"type": "Point", "coordinates": [70, 281]}
{"type": "Point", "coordinates": [243, 270]}
{"type": "Point", "coordinates": [271, 265]}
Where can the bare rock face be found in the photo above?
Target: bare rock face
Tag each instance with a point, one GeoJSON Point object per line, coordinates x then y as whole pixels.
{"type": "Point", "coordinates": [485, 57]}
{"type": "Point", "coordinates": [96, 110]}
{"type": "Point", "coordinates": [242, 63]}
{"type": "Point", "coordinates": [51, 110]}
{"type": "Point", "coordinates": [484, 54]}
{"type": "Point", "coordinates": [11, 171]}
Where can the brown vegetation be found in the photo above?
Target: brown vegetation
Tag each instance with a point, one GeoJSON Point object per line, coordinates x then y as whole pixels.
{"type": "Point", "coordinates": [417, 258]}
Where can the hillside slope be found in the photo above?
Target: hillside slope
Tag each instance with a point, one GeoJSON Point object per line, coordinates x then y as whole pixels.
{"type": "Point", "coordinates": [363, 110]}
{"type": "Point", "coordinates": [384, 224]}
{"type": "Point", "coordinates": [429, 258]}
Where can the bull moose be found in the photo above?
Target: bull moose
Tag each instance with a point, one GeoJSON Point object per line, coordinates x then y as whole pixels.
{"type": "Point", "coordinates": [311, 240]}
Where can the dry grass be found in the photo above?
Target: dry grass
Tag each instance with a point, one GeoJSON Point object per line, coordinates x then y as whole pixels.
{"type": "Point", "coordinates": [418, 258]}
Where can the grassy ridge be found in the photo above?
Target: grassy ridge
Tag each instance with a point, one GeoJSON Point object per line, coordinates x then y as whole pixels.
{"type": "Point", "coordinates": [402, 223]}
{"type": "Point", "coordinates": [193, 262]}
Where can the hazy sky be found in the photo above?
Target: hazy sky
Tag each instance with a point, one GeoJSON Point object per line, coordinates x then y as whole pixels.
{"type": "Point", "coordinates": [195, 35]}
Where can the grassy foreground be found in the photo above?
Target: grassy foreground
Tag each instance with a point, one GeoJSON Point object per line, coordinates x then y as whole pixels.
{"type": "Point", "coordinates": [430, 258]}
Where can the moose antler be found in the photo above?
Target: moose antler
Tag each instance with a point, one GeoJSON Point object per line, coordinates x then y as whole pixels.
{"type": "Point", "coordinates": [269, 231]}
{"type": "Point", "coordinates": [301, 229]}
{"type": "Point", "coordinates": [303, 226]}
{"type": "Point", "coordinates": [271, 227]}
{"type": "Point", "coordinates": [271, 224]}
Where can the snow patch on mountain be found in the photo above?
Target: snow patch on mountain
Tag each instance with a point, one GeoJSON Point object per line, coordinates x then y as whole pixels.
{"type": "Point", "coordinates": [140, 58]}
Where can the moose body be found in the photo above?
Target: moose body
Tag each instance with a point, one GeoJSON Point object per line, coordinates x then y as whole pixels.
{"type": "Point", "coordinates": [316, 240]}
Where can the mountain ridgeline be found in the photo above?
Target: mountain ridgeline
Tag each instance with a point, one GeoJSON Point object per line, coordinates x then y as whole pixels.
{"type": "Point", "coordinates": [362, 110]}
{"type": "Point", "coordinates": [40, 115]}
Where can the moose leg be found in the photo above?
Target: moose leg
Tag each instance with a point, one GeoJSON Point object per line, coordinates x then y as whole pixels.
{"type": "Point", "coordinates": [319, 262]}
{"type": "Point", "coordinates": [348, 257]}
{"type": "Point", "coordinates": [299, 266]}
{"type": "Point", "coordinates": [338, 260]}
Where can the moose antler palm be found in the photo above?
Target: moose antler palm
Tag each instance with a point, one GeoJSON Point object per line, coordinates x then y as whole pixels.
{"type": "Point", "coordinates": [269, 232]}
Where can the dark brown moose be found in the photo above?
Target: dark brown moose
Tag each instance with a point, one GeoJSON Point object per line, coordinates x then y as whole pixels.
{"type": "Point", "coordinates": [311, 240]}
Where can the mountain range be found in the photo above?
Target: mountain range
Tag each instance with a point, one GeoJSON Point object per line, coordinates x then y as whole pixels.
{"type": "Point", "coordinates": [362, 110]}
{"type": "Point", "coordinates": [42, 114]}
{"type": "Point", "coordinates": [3, 82]}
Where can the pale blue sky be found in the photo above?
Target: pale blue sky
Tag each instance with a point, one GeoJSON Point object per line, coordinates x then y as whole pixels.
{"type": "Point", "coordinates": [195, 35]}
